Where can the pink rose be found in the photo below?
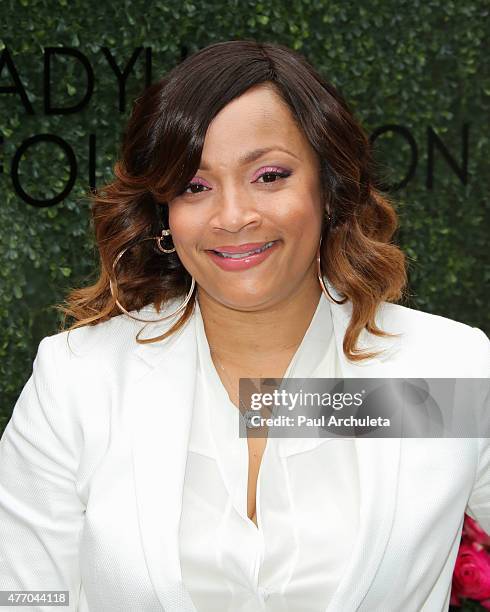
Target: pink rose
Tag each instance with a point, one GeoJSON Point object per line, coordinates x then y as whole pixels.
{"type": "Point", "coordinates": [473, 531]}
{"type": "Point", "coordinates": [471, 575]}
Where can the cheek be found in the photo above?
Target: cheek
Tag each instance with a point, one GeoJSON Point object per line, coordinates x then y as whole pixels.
{"type": "Point", "coordinates": [303, 215]}
{"type": "Point", "coordinates": [183, 227]}
{"type": "Point", "coordinates": [303, 227]}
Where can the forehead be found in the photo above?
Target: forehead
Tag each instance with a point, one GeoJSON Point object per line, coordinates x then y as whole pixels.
{"type": "Point", "coordinates": [259, 118]}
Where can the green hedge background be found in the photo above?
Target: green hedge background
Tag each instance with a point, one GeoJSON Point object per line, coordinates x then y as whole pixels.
{"type": "Point", "coordinates": [416, 64]}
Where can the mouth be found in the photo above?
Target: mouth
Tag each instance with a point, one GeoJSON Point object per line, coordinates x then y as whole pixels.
{"type": "Point", "coordinates": [239, 262]}
{"type": "Point", "coordinates": [244, 254]}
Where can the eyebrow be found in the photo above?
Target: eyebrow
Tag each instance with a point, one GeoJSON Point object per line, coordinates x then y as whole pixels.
{"type": "Point", "coordinates": [251, 156]}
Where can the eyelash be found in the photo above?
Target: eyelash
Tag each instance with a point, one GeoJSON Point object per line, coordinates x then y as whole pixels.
{"type": "Point", "coordinates": [280, 174]}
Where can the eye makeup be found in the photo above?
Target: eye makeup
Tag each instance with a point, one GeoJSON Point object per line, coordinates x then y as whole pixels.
{"type": "Point", "coordinates": [281, 172]}
{"type": "Point", "coordinates": [277, 171]}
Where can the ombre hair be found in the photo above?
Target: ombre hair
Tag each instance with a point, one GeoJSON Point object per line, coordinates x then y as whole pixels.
{"type": "Point", "coordinates": [161, 151]}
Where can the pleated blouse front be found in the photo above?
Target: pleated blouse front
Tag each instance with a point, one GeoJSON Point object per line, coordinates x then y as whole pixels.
{"type": "Point", "coordinates": [307, 499]}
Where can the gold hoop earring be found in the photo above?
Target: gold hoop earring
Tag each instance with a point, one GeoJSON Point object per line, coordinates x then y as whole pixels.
{"type": "Point", "coordinates": [320, 278]}
{"type": "Point", "coordinates": [114, 289]}
{"type": "Point", "coordinates": [165, 232]}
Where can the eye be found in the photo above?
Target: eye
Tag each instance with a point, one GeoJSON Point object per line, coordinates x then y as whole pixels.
{"type": "Point", "coordinates": [271, 175]}
{"type": "Point", "coordinates": [191, 185]}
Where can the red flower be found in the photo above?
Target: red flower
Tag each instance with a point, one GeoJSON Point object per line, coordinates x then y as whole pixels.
{"type": "Point", "coordinates": [473, 531]}
{"type": "Point", "coordinates": [471, 576]}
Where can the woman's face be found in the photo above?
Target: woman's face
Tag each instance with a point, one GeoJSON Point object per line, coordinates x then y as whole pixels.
{"type": "Point", "coordinates": [233, 201]}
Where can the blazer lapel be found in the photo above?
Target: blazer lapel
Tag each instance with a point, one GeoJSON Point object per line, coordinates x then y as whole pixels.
{"type": "Point", "coordinates": [378, 461]}
{"type": "Point", "coordinates": [161, 398]}
{"type": "Point", "coordinates": [161, 401]}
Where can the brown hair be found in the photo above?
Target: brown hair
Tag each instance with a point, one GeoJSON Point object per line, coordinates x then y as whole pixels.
{"type": "Point", "coordinates": [161, 151]}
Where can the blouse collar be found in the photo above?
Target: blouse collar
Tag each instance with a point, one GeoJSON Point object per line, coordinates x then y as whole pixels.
{"type": "Point", "coordinates": [314, 357]}
{"type": "Point", "coordinates": [311, 350]}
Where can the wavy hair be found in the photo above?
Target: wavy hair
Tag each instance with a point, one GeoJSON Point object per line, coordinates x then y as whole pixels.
{"type": "Point", "coordinates": [160, 153]}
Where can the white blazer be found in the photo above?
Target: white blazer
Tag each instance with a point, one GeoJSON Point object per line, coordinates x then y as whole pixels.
{"type": "Point", "coordinates": [92, 469]}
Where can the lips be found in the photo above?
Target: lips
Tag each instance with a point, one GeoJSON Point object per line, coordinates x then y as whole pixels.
{"type": "Point", "coordinates": [241, 255]}
{"type": "Point", "coordinates": [238, 261]}
{"type": "Point", "coordinates": [241, 248]}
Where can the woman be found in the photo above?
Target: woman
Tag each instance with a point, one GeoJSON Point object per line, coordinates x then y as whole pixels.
{"type": "Point", "coordinates": [244, 223]}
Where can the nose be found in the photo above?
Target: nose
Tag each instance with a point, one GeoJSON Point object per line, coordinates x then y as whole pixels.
{"type": "Point", "coordinates": [234, 209]}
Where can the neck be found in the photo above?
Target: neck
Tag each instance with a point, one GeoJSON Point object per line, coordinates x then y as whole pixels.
{"type": "Point", "coordinates": [258, 336]}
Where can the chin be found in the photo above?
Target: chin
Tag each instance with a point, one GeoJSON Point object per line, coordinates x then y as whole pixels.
{"type": "Point", "coordinates": [243, 300]}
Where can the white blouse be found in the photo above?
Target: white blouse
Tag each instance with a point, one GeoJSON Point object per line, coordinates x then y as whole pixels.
{"type": "Point", "coordinates": [307, 499]}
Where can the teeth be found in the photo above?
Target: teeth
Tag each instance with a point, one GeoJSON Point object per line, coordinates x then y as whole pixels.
{"type": "Point", "coordinates": [242, 255]}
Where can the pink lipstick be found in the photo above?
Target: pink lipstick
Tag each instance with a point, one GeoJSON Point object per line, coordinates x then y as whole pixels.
{"type": "Point", "coordinates": [242, 257]}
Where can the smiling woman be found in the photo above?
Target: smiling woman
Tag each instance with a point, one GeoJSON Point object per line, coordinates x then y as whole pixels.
{"type": "Point", "coordinates": [252, 208]}
{"type": "Point", "coordinates": [244, 224]}
{"type": "Point", "coordinates": [270, 152]}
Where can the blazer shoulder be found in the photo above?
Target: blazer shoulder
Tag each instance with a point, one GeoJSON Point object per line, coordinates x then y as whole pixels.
{"type": "Point", "coordinates": [110, 346]}
{"type": "Point", "coordinates": [414, 319]}
{"type": "Point", "coordinates": [437, 335]}
{"type": "Point", "coordinates": [95, 345]}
